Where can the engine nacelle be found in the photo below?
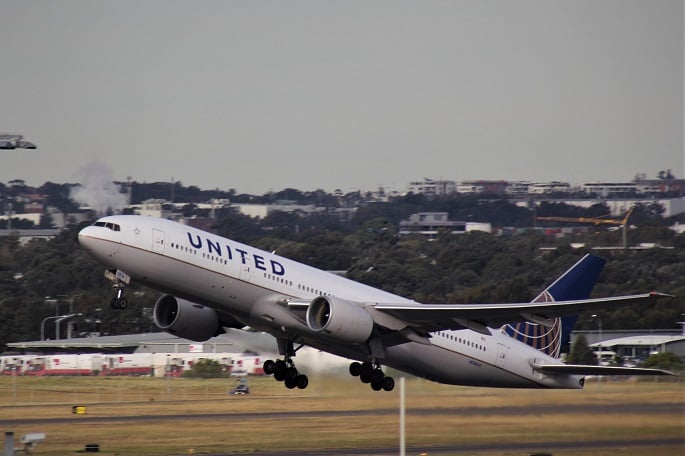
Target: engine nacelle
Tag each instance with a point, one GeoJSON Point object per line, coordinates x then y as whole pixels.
{"type": "Point", "coordinates": [343, 320]}
{"type": "Point", "coordinates": [186, 319]}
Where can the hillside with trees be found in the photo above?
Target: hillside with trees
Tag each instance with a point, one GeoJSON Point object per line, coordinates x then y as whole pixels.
{"type": "Point", "coordinates": [48, 278]}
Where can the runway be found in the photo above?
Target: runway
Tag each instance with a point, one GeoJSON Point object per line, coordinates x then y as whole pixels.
{"type": "Point", "coordinates": [544, 447]}
{"type": "Point", "coordinates": [524, 448]}
{"type": "Point", "coordinates": [640, 408]}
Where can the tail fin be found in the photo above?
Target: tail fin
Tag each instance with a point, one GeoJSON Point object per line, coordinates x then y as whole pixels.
{"type": "Point", "coordinates": [575, 283]}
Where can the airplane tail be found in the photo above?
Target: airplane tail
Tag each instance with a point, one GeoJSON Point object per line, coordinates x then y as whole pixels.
{"type": "Point", "coordinates": [575, 283]}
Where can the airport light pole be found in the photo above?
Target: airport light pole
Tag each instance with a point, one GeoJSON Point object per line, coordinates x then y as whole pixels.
{"type": "Point", "coordinates": [56, 301]}
{"type": "Point", "coordinates": [599, 339]}
{"type": "Point", "coordinates": [58, 320]}
{"type": "Point", "coordinates": [599, 346]}
{"type": "Point", "coordinates": [403, 439]}
{"type": "Point", "coordinates": [42, 326]}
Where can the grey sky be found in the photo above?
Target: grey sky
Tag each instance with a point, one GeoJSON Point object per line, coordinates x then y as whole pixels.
{"type": "Point", "coordinates": [260, 95]}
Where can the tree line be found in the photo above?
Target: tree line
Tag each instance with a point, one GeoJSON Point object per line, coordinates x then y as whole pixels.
{"type": "Point", "coordinates": [474, 267]}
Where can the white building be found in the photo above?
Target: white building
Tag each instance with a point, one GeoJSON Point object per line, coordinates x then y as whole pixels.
{"type": "Point", "coordinates": [432, 187]}
{"type": "Point", "coordinates": [608, 189]}
{"type": "Point", "coordinates": [431, 223]}
{"type": "Point", "coordinates": [518, 188]}
{"type": "Point", "coordinates": [640, 348]}
{"type": "Point", "coordinates": [541, 188]}
{"type": "Point", "coordinates": [154, 208]}
{"type": "Point", "coordinates": [262, 210]}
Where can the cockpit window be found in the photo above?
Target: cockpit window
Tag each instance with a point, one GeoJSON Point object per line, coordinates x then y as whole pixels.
{"type": "Point", "coordinates": [111, 226]}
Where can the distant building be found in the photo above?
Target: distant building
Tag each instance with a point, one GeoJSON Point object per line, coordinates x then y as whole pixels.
{"type": "Point", "coordinates": [639, 348]}
{"type": "Point", "coordinates": [467, 188]}
{"type": "Point", "coordinates": [610, 189]}
{"type": "Point", "coordinates": [26, 236]}
{"type": "Point", "coordinates": [431, 223]}
{"type": "Point", "coordinates": [541, 188]}
{"type": "Point", "coordinates": [652, 186]}
{"type": "Point", "coordinates": [617, 206]}
{"type": "Point", "coordinates": [518, 188]}
{"type": "Point", "coordinates": [262, 210]}
{"type": "Point", "coordinates": [432, 187]}
{"type": "Point", "coordinates": [483, 186]}
{"type": "Point", "coordinates": [154, 208]}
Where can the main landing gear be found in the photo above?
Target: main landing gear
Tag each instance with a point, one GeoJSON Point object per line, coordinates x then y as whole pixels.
{"type": "Point", "coordinates": [372, 373]}
{"type": "Point", "coordinates": [284, 370]}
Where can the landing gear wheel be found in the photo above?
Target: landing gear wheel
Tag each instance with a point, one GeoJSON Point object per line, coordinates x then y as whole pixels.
{"type": "Point", "coordinates": [269, 367]}
{"type": "Point", "coordinates": [119, 303]}
{"type": "Point", "coordinates": [388, 383]}
{"type": "Point", "coordinates": [377, 377]}
{"type": "Point", "coordinates": [365, 372]}
{"type": "Point", "coordinates": [355, 369]}
{"type": "Point", "coordinates": [280, 370]}
{"type": "Point", "coordinates": [290, 383]}
{"type": "Point", "coordinates": [291, 373]}
{"type": "Point", "coordinates": [301, 381]}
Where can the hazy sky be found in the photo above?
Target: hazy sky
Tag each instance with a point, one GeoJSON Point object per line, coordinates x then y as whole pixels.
{"type": "Point", "coordinates": [263, 95]}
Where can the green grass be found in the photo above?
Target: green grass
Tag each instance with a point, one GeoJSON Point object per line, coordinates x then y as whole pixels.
{"type": "Point", "coordinates": [24, 398]}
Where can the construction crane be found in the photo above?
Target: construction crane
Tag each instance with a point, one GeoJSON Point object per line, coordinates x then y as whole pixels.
{"type": "Point", "coordinates": [597, 221]}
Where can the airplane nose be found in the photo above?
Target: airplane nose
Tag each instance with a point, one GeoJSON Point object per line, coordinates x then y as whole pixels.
{"type": "Point", "coordinates": [85, 238]}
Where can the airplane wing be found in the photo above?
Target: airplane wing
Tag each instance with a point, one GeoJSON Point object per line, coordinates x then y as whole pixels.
{"type": "Point", "coordinates": [478, 317]}
{"type": "Point", "coordinates": [581, 369]}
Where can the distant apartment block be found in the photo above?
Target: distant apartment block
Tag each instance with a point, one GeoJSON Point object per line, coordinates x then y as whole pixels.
{"type": "Point", "coordinates": [262, 210]}
{"type": "Point", "coordinates": [431, 223]}
{"type": "Point", "coordinates": [520, 188]}
{"type": "Point", "coordinates": [537, 188]}
{"type": "Point", "coordinates": [609, 189]}
{"type": "Point", "coordinates": [542, 188]}
{"type": "Point", "coordinates": [154, 208]}
{"type": "Point", "coordinates": [432, 187]}
{"type": "Point", "coordinates": [483, 186]}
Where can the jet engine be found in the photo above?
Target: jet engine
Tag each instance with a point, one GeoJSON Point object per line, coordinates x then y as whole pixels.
{"type": "Point", "coordinates": [186, 319]}
{"type": "Point", "coordinates": [343, 320]}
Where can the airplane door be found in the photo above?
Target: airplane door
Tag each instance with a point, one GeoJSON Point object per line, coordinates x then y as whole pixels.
{"type": "Point", "coordinates": [501, 355]}
{"type": "Point", "coordinates": [157, 241]}
{"type": "Point", "coordinates": [245, 270]}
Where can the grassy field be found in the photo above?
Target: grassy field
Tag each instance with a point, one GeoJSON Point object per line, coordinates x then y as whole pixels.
{"type": "Point", "coordinates": [168, 416]}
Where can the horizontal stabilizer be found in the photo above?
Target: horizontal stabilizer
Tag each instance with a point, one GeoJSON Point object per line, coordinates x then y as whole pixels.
{"type": "Point", "coordinates": [581, 369]}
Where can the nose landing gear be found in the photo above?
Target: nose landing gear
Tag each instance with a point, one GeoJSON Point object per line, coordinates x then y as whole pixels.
{"type": "Point", "coordinates": [119, 301]}
{"type": "Point", "coordinates": [120, 279]}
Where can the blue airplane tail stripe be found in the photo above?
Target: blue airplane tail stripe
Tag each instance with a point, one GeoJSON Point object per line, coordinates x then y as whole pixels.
{"type": "Point", "coordinates": [575, 283]}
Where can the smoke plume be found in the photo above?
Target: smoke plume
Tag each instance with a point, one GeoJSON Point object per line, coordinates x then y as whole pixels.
{"type": "Point", "coordinates": [98, 191]}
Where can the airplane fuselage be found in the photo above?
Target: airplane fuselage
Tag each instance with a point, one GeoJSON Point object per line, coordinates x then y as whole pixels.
{"type": "Point", "coordinates": [254, 287]}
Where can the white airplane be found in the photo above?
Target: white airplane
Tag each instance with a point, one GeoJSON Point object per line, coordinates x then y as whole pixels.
{"type": "Point", "coordinates": [211, 283]}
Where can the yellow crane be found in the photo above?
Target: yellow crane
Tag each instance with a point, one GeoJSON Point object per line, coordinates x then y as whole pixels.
{"type": "Point", "coordinates": [597, 221]}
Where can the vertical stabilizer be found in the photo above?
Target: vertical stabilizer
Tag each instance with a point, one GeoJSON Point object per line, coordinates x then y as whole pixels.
{"type": "Point", "coordinates": [575, 283]}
